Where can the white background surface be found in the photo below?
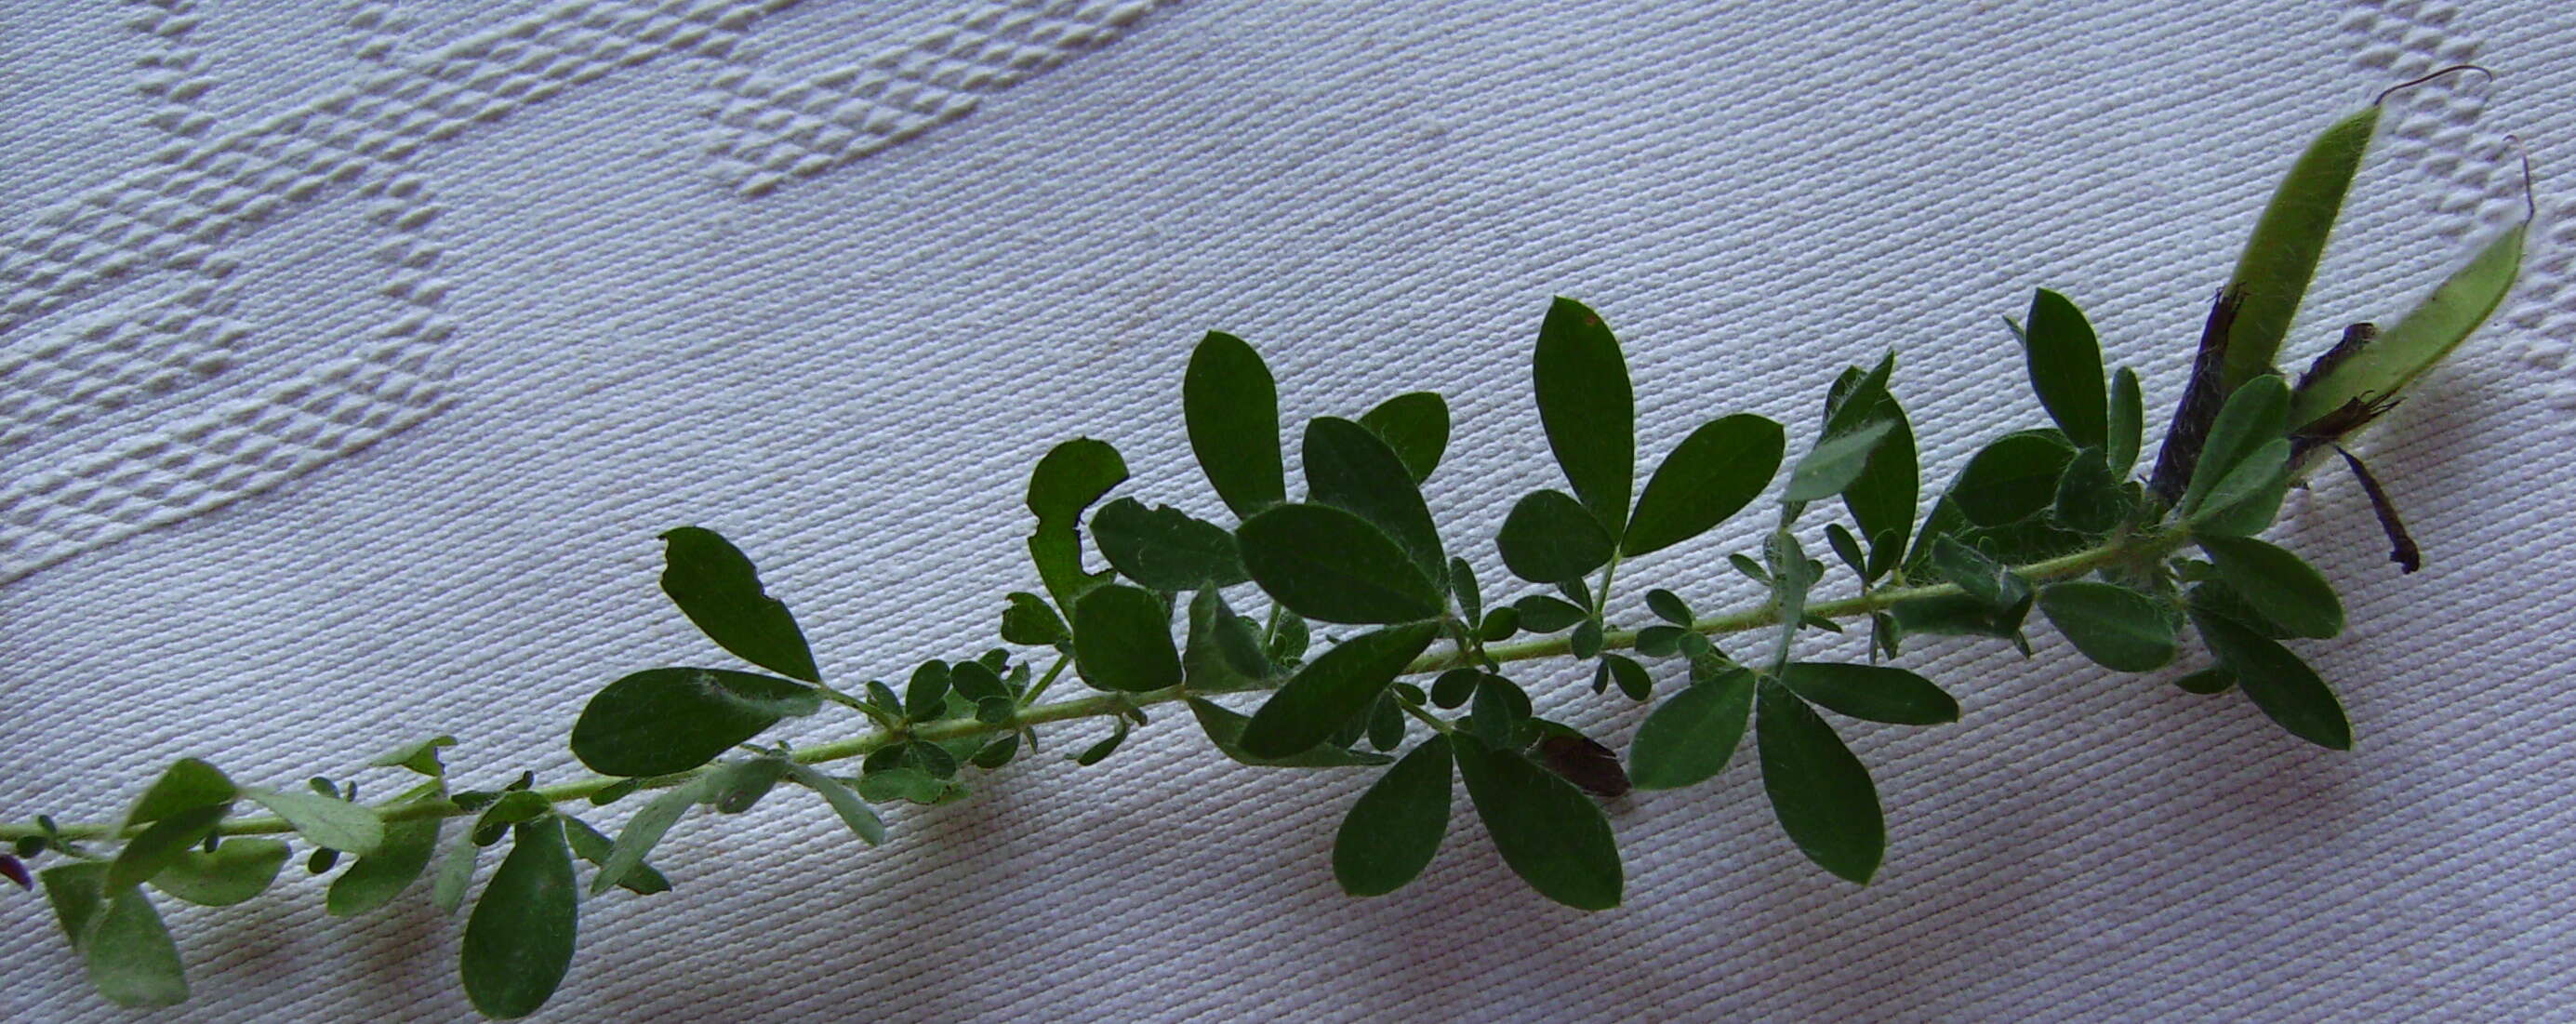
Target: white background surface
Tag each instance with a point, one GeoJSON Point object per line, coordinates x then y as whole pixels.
{"type": "Point", "coordinates": [287, 482]}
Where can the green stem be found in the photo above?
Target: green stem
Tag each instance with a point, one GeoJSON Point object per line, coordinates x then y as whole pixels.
{"type": "Point", "coordinates": [2125, 549]}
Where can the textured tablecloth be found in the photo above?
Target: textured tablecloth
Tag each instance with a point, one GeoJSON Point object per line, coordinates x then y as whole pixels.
{"type": "Point", "coordinates": [355, 353]}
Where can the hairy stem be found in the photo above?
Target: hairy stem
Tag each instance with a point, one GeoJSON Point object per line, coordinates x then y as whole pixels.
{"type": "Point", "coordinates": [2126, 549]}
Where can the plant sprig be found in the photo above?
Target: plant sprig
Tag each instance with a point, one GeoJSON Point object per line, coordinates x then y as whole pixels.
{"type": "Point", "coordinates": [2048, 518]}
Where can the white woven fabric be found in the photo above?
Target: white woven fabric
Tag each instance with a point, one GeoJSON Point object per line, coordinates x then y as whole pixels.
{"type": "Point", "coordinates": [354, 354]}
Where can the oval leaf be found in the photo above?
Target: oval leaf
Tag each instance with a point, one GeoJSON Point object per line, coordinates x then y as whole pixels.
{"type": "Point", "coordinates": [519, 941]}
{"type": "Point", "coordinates": [1712, 474]}
{"type": "Point", "coordinates": [2118, 628]}
{"type": "Point", "coordinates": [1416, 425]}
{"type": "Point", "coordinates": [186, 785]}
{"type": "Point", "coordinates": [1224, 728]}
{"type": "Point", "coordinates": [2128, 423]}
{"type": "Point", "coordinates": [2065, 362]}
{"type": "Point", "coordinates": [1836, 462]}
{"type": "Point", "coordinates": [327, 821]}
{"type": "Point", "coordinates": [238, 870]}
{"type": "Point", "coordinates": [1550, 538]}
{"type": "Point", "coordinates": [1232, 408]}
{"type": "Point", "coordinates": [2285, 688]}
{"type": "Point", "coordinates": [1689, 738]}
{"type": "Point", "coordinates": [1550, 834]}
{"type": "Point", "coordinates": [1877, 693]}
{"type": "Point", "coordinates": [1390, 835]}
{"type": "Point", "coordinates": [1819, 791]}
{"type": "Point", "coordinates": [1165, 548]}
{"type": "Point", "coordinates": [2254, 415]}
{"type": "Point", "coordinates": [1587, 406]}
{"type": "Point", "coordinates": [717, 588]}
{"type": "Point", "coordinates": [1350, 468]}
{"type": "Point", "coordinates": [2013, 478]}
{"type": "Point", "coordinates": [1122, 640]}
{"type": "Point", "coordinates": [1325, 563]}
{"type": "Point", "coordinates": [666, 720]}
{"type": "Point", "coordinates": [1333, 689]}
{"type": "Point", "coordinates": [378, 877]}
{"type": "Point", "coordinates": [2280, 586]}
{"type": "Point", "coordinates": [120, 938]}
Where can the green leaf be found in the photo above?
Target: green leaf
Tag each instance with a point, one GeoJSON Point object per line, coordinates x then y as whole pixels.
{"type": "Point", "coordinates": [1223, 653]}
{"type": "Point", "coordinates": [2207, 681]}
{"type": "Point", "coordinates": [186, 785]}
{"type": "Point", "coordinates": [1819, 791]}
{"type": "Point", "coordinates": [1224, 728]}
{"type": "Point", "coordinates": [1071, 476]}
{"type": "Point", "coordinates": [1416, 425]}
{"type": "Point", "coordinates": [145, 855]}
{"type": "Point", "coordinates": [2118, 628]}
{"type": "Point", "coordinates": [1877, 693]}
{"type": "Point", "coordinates": [2419, 342]}
{"type": "Point", "coordinates": [1498, 710]}
{"type": "Point", "coordinates": [1100, 751]}
{"type": "Point", "coordinates": [916, 786]}
{"type": "Point", "coordinates": [925, 695]}
{"type": "Point", "coordinates": [239, 869]}
{"type": "Point", "coordinates": [716, 587]}
{"type": "Point", "coordinates": [519, 941]}
{"type": "Point", "coordinates": [737, 786]}
{"type": "Point", "coordinates": [1984, 579]}
{"type": "Point", "coordinates": [421, 757]}
{"type": "Point", "coordinates": [455, 872]}
{"type": "Point", "coordinates": [1668, 606]}
{"type": "Point", "coordinates": [1348, 467]}
{"type": "Point", "coordinates": [1881, 499]}
{"type": "Point", "coordinates": [1957, 615]}
{"type": "Point", "coordinates": [2280, 259]}
{"type": "Point", "coordinates": [1689, 738]}
{"type": "Point", "coordinates": [644, 830]}
{"type": "Point", "coordinates": [1836, 462]}
{"type": "Point", "coordinates": [120, 938]}
{"type": "Point", "coordinates": [378, 877]}
{"type": "Point", "coordinates": [2013, 478]}
{"type": "Point", "coordinates": [2284, 687]}
{"type": "Point", "coordinates": [1634, 682]}
{"type": "Point", "coordinates": [327, 821]}
{"type": "Point", "coordinates": [2255, 415]}
{"type": "Point", "coordinates": [1712, 474]}
{"type": "Point", "coordinates": [665, 720]}
{"type": "Point", "coordinates": [1325, 563]}
{"type": "Point", "coordinates": [1587, 406]}
{"type": "Point", "coordinates": [1026, 619]}
{"type": "Point", "coordinates": [2247, 500]}
{"type": "Point", "coordinates": [1232, 406]}
{"type": "Point", "coordinates": [976, 682]}
{"type": "Point", "coordinates": [1390, 835]}
{"type": "Point", "coordinates": [2065, 362]}
{"type": "Point", "coordinates": [1550, 538]}
{"type": "Point", "coordinates": [1165, 548]}
{"type": "Point", "coordinates": [1335, 688]}
{"type": "Point", "coordinates": [2089, 500]}
{"type": "Point", "coordinates": [591, 846]}
{"type": "Point", "coordinates": [1548, 832]}
{"type": "Point", "coordinates": [1122, 640]}
{"type": "Point", "coordinates": [2127, 425]}
{"type": "Point", "coordinates": [2278, 585]}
